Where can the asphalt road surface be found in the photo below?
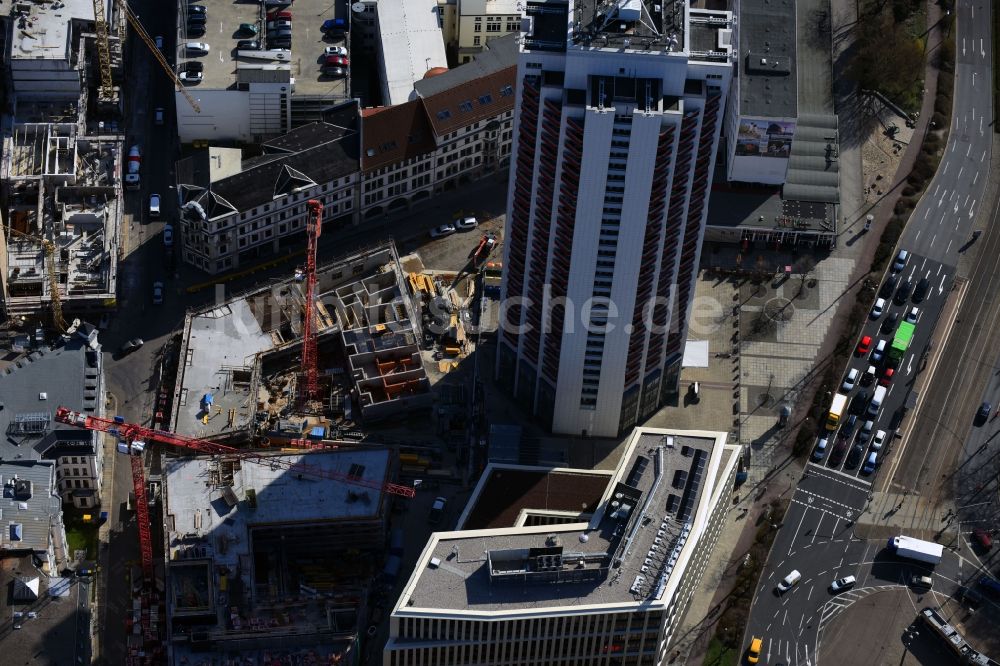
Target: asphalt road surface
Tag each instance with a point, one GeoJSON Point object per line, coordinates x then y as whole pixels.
{"type": "Point", "coordinates": [942, 222]}
{"type": "Point", "coordinates": [817, 540]}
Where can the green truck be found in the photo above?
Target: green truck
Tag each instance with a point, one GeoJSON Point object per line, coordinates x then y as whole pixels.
{"type": "Point", "coordinates": [900, 343]}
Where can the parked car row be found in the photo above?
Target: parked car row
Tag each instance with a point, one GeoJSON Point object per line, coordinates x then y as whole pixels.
{"type": "Point", "coordinates": [197, 18]}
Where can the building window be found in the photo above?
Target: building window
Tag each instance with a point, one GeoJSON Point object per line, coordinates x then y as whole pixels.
{"type": "Point", "coordinates": [466, 105]}
{"type": "Point", "coordinates": [476, 41]}
{"type": "Point", "coordinates": [485, 99]}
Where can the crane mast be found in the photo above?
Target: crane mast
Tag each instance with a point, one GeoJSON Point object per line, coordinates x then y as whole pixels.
{"type": "Point", "coordinates": [310, 377]}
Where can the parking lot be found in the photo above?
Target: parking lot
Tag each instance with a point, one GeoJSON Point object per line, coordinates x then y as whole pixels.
{"type": "Point", "coordinates": [879, 378]}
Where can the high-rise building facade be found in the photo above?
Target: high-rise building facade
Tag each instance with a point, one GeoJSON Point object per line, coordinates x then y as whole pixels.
{"type": "Point", "coordinates": [617, 122]}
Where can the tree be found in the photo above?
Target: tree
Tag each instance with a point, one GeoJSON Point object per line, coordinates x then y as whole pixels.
{"type": "Point", "coordinates": [803, 266]}
{"type": "Point", "coordinates": [888, 58]}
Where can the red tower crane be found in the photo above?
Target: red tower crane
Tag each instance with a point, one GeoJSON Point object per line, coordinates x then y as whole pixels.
{"type": "Point", "coordinates": [310, 378]}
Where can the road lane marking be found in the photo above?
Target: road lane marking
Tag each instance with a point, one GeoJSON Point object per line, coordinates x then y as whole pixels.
{"type": "Point", "coordinates": [975, 178]}
{"type": "Point", "coordinates": [816, 529]}
{"type": "Point", "coordinates": [933, 239]}
{"type": "Point", "coordinates": [918, 233]}
{"type": "Point", "coordinates": [948, 249]}
{"type": "Point", "coordinates": [972, 208]}
{"type": "Point", "coordinates": [960, 172]}
{"type": "Point", "coordinates": [945, 170]}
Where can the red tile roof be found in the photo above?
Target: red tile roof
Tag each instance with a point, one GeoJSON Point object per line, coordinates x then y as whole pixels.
{"type": "Point", "coordinates": [390, 134]}
{"type": "Point", "coordinates": [471, 101]}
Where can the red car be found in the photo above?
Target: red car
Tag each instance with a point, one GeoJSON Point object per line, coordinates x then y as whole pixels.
{"type": "Point", "coordinates": [982, 537]}
{"type": "Point", "coordinates": [339, 61]}
{"type": "Point", "coordinates": [886, 378]}
{"type": "Point", "coordinates": [865, 344]}
{"type": "Point", "coordinates": [274, 16]}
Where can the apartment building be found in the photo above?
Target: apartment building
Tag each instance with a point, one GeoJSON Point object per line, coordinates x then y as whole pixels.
{"type": "Point", "coordinates": [617, 124]}
{"type": "Point", "coordinates": [458, 130]}
{"type": "Point", "coordinates": [556, 585]}
{"type": "Point", "coordinates": [235, 209]}
{"type": "Point", "coordinates": [478, 22]}
{"type": "Point", "coordinates": [70, 375]}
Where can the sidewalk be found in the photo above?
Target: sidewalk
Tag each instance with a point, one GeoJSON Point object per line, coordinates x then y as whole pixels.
{"type": "Point", "coordinates": [103, 537]}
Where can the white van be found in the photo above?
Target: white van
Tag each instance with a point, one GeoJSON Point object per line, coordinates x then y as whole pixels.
{"type": "Point", "coordinates": [876, 403]}
{"type": "Point", "coordinates": [789, 581]}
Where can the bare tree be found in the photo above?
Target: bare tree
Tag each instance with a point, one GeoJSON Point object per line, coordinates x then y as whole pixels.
{"type": "Point", "coordinates": [803, 266]}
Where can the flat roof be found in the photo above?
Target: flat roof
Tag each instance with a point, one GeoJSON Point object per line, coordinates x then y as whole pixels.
{"type": "Point", "coordinates": [765, 209]}
{"type": "Point", "coordinates": [768, 60]}
{"type": "Point", "coordinates": [220, 339]}
{"type": "Point", "coordinates": [48, 36]}
{"type": "Point", "coordinates": [33, 387]}
{"type": "Point", "coordinates": [224, 65]}
{"type": "Point", "coordinates": [51, 636]}
{"type": "Point", "coordinates": [509, 490]}
{"type": "Point", "coordinates": [411, 43]}
{"type": "Point", "coordinates": [196, 499]}
{"type": "Point", "coordinates": [25, 516]}
{"type": "Point", "coordinates": [631, 553]}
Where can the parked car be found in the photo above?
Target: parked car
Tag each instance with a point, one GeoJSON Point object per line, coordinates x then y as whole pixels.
{"type": "Point", "coordinates": [247, 29]}
{"type": "Point", "coordinates": [189, 76]}
{"type": "Point", "coordinates": [337, 61]}
{"type": "Point", "coordinates": [866, 429]}
{"type": "Point", "coordinates": [334, 71]}
{"type": "Point", "coordinates": [279, 14]}
{"type": "Point", "coordinates": [838, 452]}
{"type": "Point", "coordinates": [194, 66]}
{"type": "Point", "coordinates": [248, 45]}
{"type": "Point", "coordinates": [913, 315]}
{"type": "Point", "coordinates": [158, 40]}
{"type": "Point", "coordinates": [197, 9]}
{"type": "Point", "coordinates": [878, 439]}
{"type": "Point", "coordinates": [983, 413]}
{"type": "Point", "coordinates": [443, 230]}
{"type": "Point", "coordinates": [842, 584]}
{"type": "Point", "coordinates": [195, 29]}
{"type": "Point", "coordinates": [158, 115]}
{"type": "Point", "coordinates": [437, 510]}
{"type": "Point", "coordinates": [131, 345]}
{"type": "Point", "coordinates": [154, 206]}
{"type": "Point", "coordinates": [870, 464]}
{"type": "Point", "coordinates": [982, 537]}
{"type": "Point", "coordinates": [157, 293]}
{"type": "Point", "coordinates": [920, 291]}
{"type": "Point", "coordinates": [848, 428]}
{"type": "Point", "coordinates": [168, 235]}
{"type": "Point", "coordinates": [335, 50]}
{"type": "Point", "coordinates": [868, 376]}
{"type": "Point", "coordinates": [280, 24]}
{"type": "Point", "coordinates": [887, 377]}
{"type": "Point", "coordinates": [859, 402]}
{"type": "Point", "coordinates": [196, 48]}
{"type": "Point", "coordinates": [197, 18]}
{"type": "Point", "coordinates": [922, 581]}
{"type": "Point", "coordinates": [335, 26]}
{"type": "Point", "coordinates": [878, 308]}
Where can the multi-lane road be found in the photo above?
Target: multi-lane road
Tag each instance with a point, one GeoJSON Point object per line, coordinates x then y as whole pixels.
{"type": "Point", "coordinates": [817, 536]}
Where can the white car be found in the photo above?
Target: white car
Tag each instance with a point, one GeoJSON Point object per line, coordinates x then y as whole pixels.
{"type": "Point", "coordinates": [335, 51]}
{"type": "Point", "coordinates": [878, 308]}
{"type": "Point", "coordinates": [878, 439]}
{"type": "Point", "coordinates": [190, 77]}
{"type": "Point", "coordinates": [168, 235]}
{"type": "Point", "coordinates": [442, 231]}
{"type": "Point", "coordinates": [466, 223]}
{"type": "Point", "coordinates": [154, 205]}
{"type": "Point", "coordinates": [197, 48]}
{"type": "Point", "coordinates": [912, 315]}
{"type": "Point", "coordinates": [157, 293]}
{"type": "Point", "coordinates": [842, 584]}
{"type": "Point", "coordinates": [850, 381]}
{"type": "Point", "coordinates": [789, 581]}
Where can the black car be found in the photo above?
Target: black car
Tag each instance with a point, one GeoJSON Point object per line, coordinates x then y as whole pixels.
{"type": "Point", "coordinates": [131, 346]}
{"type": "Point", "coordinates": [196, 9]}
{"type": "Point", "coordinates": [195, 29]}
{"type": "Point", "coordinates": [859, 402]}
{"type": "Point", "coordinates": [854, 457]}
{"type": "Point", "coordinates": [838, 452]}
{"type": "Point", "coordinates": [903, 293]}
{"type": "Point", "coordinates": [849, 425]}
{"type": "Point", "coordinates": [248, 44]}
{"type": "Point", "coordinates": [889, 323]}
{"type": "Point", "coordinates": [889, 286]}
{"type": "Point", "coordinates": [197, 18]}
{"type": "Point", "coordinates": [920, 291]}
{"type": "Point", "coordinates": [194, 66]}
{"type": "Point", "coordinates": [983, 413]}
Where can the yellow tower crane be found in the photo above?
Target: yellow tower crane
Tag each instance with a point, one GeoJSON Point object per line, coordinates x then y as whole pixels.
{"type": "Point", "coordinates": [103, 50]}
{"type": "Point", "coordinates": [50, 266]}
{"type": "Point", "coordinates": [106, 91]}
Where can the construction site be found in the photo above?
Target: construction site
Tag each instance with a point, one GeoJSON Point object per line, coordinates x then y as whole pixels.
{"type": "Point", "coordinates": [62, 192]}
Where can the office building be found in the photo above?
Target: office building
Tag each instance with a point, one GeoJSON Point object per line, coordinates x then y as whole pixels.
{"type": "Point", "coordinates": [559, 566]}
{"type": "Point", "coordinates": [617, 124]}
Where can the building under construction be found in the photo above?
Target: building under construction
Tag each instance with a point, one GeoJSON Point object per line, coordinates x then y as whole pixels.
{"type": "Point", "coordinates": [240, 360]}
{"type": "Point", "coordinates": [267, 565]}
{"type": "Point", "coordinates": [61, 197]}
